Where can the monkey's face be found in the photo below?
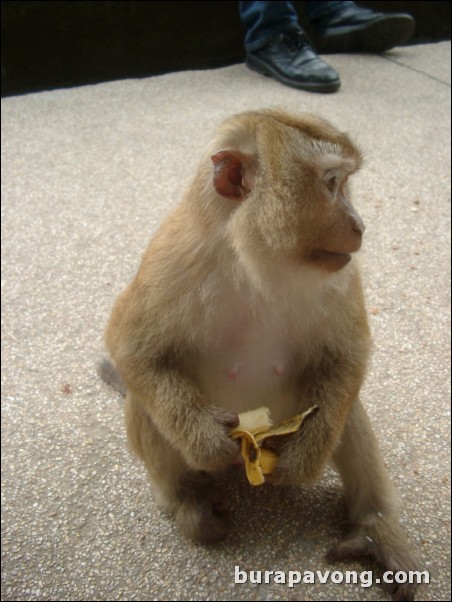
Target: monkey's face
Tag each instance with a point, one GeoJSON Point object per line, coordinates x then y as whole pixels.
{"type": "Point", "coordinates": [337, 229]}
{"type": "Point", "coordinates": [292, 200]}
{"type": "Point", "coordinates": [306, 219]}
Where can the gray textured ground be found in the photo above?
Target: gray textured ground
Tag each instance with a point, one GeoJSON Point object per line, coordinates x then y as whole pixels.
{"type": "Point", "coordinates": [87, 175]}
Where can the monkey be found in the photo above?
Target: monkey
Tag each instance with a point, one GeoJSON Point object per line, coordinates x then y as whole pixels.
{"type": "Point", "coordinates": [248, 295]}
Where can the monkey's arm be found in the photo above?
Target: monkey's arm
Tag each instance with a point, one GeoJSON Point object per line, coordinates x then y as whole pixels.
{"type": "Point", "coordinates": [333, 385]}
{"type": "Point", "coordinates": [199, 431]}
{"type": "Point", "coordinates": [143, 350]}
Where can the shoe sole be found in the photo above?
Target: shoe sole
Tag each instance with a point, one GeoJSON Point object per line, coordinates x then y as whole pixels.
{"type": "Point", "coordinates": [256, 65]}
{"type": "Point", "coordinates": [377, 36]}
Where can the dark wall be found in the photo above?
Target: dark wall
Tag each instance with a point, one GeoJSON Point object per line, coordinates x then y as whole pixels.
{"type": "Point", "coordinates": [49, 45]}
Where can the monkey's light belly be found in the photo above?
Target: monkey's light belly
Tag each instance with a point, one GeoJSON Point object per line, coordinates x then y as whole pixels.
{"type": "Point", "coordinates": [246, 385]}
{"type": "Point", "coordinates": [251, 363]}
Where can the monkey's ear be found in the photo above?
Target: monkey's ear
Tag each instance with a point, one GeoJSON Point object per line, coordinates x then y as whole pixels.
{"type": "Point", "coordinates": [231, 174]}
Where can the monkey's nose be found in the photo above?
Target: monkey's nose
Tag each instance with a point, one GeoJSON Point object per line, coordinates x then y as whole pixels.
{"type": "Point", "coordinates": [358, 225]}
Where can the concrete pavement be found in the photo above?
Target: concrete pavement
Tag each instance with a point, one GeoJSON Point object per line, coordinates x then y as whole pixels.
{"type": "Point", "coordinates": [87, 175]}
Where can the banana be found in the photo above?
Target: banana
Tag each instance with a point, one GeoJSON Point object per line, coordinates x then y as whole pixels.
{"type": "Point", "coordinates": [255, 426]}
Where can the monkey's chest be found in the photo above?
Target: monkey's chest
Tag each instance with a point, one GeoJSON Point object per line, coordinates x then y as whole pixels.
{"type": "Point", "coordinates": [249, 363]}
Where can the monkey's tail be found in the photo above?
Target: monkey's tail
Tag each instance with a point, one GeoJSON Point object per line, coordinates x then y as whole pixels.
{"type": "Point", "coordinates": [110, 375]}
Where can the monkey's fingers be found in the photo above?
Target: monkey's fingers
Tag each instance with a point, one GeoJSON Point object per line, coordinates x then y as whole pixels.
{"type": "Point", "coordinates": [230, 420]}
{"type": "Point", "coordinates": [276, 444]}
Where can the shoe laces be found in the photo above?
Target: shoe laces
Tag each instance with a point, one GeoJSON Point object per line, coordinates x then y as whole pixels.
{"type": "Point", "coordinates": [295, 39]}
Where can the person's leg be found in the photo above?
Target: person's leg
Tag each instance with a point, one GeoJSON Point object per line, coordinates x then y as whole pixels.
{"type": "Point", "coordinates": [277, 46]}
{"type": "Point", "coordinates": [263, 20]}
{"type": "Point", "coordinates": [346, 27]}
{"type": "Point", "coordinates": [317, 10]}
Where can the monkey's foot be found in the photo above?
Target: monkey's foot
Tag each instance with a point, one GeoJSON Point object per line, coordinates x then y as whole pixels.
{"type": "Point", "coordinates": [355, 545]}
{"type": "Point", "coordinates": [203, 510]}
{"type": "Point", "coordinates": [360, 544]}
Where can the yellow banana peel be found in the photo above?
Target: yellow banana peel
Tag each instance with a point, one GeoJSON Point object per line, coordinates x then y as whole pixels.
{"type": "Point", "coordinates": [254, 427]}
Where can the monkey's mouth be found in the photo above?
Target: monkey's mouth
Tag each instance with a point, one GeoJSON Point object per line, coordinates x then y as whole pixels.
{"type": "Point", "coordinates": [329, 260]}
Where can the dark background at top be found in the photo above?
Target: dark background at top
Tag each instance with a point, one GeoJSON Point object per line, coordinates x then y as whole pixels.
{"type": "Point", "coordinates": [47, 45]}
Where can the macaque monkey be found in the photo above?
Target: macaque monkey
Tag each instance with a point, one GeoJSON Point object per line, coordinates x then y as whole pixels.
{"type": "Point", "coordinates": [248, 296]}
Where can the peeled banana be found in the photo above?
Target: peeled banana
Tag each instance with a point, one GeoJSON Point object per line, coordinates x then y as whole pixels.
{"type": "Point", "coordinates": [254, 427]}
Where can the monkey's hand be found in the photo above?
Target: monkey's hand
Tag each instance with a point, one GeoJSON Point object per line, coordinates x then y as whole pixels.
{"type": "Point", "coordinates": [255, 426]}
{"type": "Point", "coordinates": [209, 446]}
{"type": "Point", "coordinates": [283, 473]}
{"type": "Point", "coordinates": [199, 431]}
{"type": "Point", "coordinates": [297, 461]}
{"type": "Point", "coordinates": [334, 387]}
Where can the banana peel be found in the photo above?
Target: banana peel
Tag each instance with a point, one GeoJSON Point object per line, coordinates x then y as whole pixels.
{"type": "Point", "coordinates": [254, 427]}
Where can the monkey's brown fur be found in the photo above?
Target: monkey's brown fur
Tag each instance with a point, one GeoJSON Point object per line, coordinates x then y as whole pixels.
{"type": "Point", "coordinates": [247, 296]}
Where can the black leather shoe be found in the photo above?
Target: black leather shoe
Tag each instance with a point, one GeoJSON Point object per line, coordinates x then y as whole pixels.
{"type": "Point", "coordinates": [357, 29]}
{"type": "Point", "coordinates": [290, 59]}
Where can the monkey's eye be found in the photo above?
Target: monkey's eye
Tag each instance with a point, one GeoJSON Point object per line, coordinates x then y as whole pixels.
{"type": "Point", "coordinates": [331, 182]}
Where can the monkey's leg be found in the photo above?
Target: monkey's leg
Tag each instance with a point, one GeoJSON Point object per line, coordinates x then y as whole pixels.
{"type": "Point", "coordinates": [373, 504]}
{"type": "Point", "coordinates": [192, 497]}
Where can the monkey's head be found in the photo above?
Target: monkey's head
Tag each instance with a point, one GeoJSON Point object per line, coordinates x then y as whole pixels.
{"type": "Point", "coordinates": [284, 180]}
